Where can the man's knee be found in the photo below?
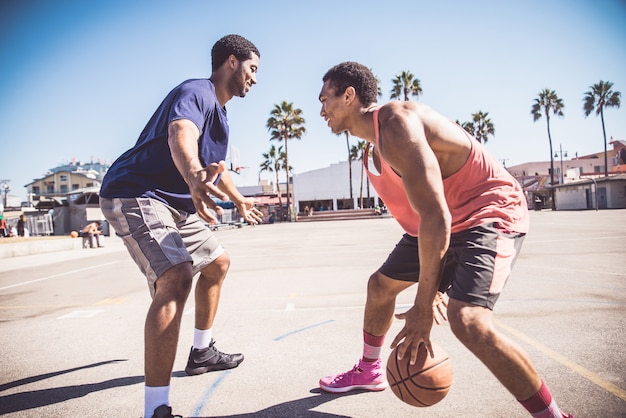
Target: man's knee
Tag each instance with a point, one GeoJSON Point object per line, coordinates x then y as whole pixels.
{"type": "Point", "coordinates": [469, 323]}
{"type": "Point", "coordinates": [381, 287]}
{"type": "Point", "coordinates": [175, 284]}
{"type": "Point", "coordinates": [217, 269]}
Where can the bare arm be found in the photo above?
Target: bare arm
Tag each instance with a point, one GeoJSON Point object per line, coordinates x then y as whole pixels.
{"type": "Point", "coordinates": [405, 147]}
{"type": "Point", "coordinates": [183, 142]}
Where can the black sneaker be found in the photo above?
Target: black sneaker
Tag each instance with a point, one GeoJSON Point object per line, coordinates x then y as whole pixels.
{"type": "Point", "coordinates": [211, 359]}
{"type": "Point", "coordinates": [164, 411]}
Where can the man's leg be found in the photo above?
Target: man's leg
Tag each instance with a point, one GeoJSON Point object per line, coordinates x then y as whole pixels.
{"type": "Point", "coordinates": [149, 230]}
{"type": "Point", "coordinates": [381, 303]}
{"type": "Point", "coordinates": [379, 308]}
{"type": "Point", "coordinates": [509, 363]}
{"type": "Point", "coordinates": [208, 290]}
{"type": "Point", "coordinates": [161, 333]}
{"type": "Point", "coordinates": [473, 326]}
{"type": "Point", "coordinates": [204, 357]}
{"type": "Point", "coordinates": [485, 256]}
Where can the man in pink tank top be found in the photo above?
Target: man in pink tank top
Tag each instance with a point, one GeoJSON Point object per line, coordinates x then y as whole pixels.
{"type": "Point", "coordinates": [471, 217]}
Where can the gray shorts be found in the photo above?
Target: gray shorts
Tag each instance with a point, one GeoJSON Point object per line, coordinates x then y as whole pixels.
{"type": "Point", "coordinates": [158, 237]}
{"type": "Point", "coordinates": [476, 268]}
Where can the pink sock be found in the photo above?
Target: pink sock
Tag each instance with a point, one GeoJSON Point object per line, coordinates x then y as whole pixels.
{"type": "Point", "coordinates": [372, 346]}
{"type": "Point", "coordinates": [542, 405]}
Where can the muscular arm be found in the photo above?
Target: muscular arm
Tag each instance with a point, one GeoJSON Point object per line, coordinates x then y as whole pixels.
{"type": "Point", "coordinates": [403, 144]}
{"type": "Point", "coordinates": [183, 142]}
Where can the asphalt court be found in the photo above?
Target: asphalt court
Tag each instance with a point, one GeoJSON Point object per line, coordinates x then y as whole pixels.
{"type": "Point", "coordinates": [71, 325]}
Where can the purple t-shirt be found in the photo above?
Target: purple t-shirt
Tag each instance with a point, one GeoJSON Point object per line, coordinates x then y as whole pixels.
{"type": "Point", "coordinates": [148, 170]}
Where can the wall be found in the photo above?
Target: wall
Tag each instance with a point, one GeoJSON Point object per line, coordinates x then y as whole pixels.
{"type": "Point", "coordinates": [616, 194]}
{"type": "Point", "coordinates": [573, 198]}
{"type": "Point", "coordinates": [331, 183]}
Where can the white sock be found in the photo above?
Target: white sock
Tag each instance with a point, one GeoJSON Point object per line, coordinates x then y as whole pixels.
{"type": "Point", "coordinates": [155, 396]}
{"type": "Point", "coordinates": [202, 337]}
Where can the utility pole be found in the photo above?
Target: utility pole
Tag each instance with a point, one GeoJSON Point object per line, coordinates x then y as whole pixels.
{"type": "Point", "coordinates": [5, 188]}
{"type": "Point", "coordinates": [562, 154]}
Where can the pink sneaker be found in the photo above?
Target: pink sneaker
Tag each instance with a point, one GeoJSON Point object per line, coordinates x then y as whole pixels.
{"type": "Point", "coordinates": [368, 376]}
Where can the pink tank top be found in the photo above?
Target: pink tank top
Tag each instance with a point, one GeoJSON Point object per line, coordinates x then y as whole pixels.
{"type": "Point", "coordinates": [481, 192]}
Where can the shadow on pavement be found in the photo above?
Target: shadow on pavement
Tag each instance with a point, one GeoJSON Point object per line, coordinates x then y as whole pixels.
{"type": "Point", "coordinates": [37, 398]}
{"type": "Point", "coordinates": [298, 408]}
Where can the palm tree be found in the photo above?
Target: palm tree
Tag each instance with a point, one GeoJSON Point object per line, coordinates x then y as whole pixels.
{"type": "Point", "coordinates": [285, 123]}
{"type": "Point", "coordinates": [468, 126]}
{"type": "Point", "coordinates": [483, 126]}
{"type": "Point", "coordinates": [548, 102]}
{"type": "Point", "coordinates": [599, 97]}
{"type": "Point", "coordinates": [379, 90]}
{"type": "Point", "coordinates": [405, 84]}
{"type": "Point", "coordinates": [357, 153]}
{"type": "Point", "coordinates": [480, 127]}
{"type": "Point", "coordinates": [274, 162]}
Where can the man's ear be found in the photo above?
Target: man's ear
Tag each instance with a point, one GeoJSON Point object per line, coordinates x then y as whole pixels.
{"type": "Point", "coordinates": [233, 62]}
{"type": "Point", "coordinates": [349, 95]}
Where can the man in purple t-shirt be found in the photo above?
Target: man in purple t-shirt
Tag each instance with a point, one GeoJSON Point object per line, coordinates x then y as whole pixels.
{"type": "Point", "coordinates": [154, 196]}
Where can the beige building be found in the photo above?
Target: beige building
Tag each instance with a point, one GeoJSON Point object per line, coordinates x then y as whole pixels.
{"type": "Point", "coordinates": [60, 181]}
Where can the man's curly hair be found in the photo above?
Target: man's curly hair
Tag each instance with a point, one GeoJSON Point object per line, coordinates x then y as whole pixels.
{"type": "Point", "coordinates": [229, 45]}
{"type": "Point", "coordinates": [350, 73]}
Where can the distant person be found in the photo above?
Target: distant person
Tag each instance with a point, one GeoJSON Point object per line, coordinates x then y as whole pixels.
{"type": "Point", "coordinates": [21, 225]}
{"type": "Point", "coordinates": [92, 232]}
{"type": "Point", "coordinates": [3, 226]}
{"type": "Point", "coordinates": [156, 197]}
{"type": "Point", "coordinates": [471, 217]}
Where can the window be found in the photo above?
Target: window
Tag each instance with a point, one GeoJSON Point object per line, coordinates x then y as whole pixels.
{"type": "Point", "coordinates": [63, 177]}
{"type": "Point", "coordinates": [64, 188]}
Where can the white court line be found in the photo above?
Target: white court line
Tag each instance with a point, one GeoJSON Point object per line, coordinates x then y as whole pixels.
{"type": "Point", "coordinates": [57, 275]}
{"type": "Point", "coordinates": [81, 314]}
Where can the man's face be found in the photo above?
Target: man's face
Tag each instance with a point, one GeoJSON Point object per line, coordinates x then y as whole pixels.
{"type": "Point", "coordinates": [333, 108]}
{"type": "Point", "coordinates": [245, 76]}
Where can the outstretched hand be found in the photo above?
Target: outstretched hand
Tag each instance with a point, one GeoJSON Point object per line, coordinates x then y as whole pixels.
{"type": "Point", "coordinates": [201, 188]}
{"type": "Point", "coordinates": [249, 212]}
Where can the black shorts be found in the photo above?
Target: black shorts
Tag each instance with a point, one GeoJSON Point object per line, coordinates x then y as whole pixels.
{"type": "Point", "coordinates": [476, 268]}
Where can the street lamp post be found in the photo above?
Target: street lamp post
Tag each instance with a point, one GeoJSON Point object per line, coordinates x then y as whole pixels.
{"type": "Point", "coordinates": [561, 153]}
{"type": "Point", "coordinates": [5, 189]}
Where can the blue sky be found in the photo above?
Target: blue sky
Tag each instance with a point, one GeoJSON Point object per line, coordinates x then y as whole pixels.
{"type": "Point", "coordinates": [81, 78]}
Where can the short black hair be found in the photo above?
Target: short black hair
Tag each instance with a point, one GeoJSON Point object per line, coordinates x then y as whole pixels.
{"type": "Point", "coordinates": [350, 73]}
{"type": "Point", "coordinates": [229, 45]}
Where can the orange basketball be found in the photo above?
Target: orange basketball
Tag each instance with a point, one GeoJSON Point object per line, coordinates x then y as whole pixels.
{"type": "Point", "coordinates": [424, 383]}
{"type": "Point", "coordinates": [73, 234]}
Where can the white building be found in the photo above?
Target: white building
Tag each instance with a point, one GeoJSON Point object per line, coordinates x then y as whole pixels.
{"type": "Point", "coordinates": [329, 188]}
